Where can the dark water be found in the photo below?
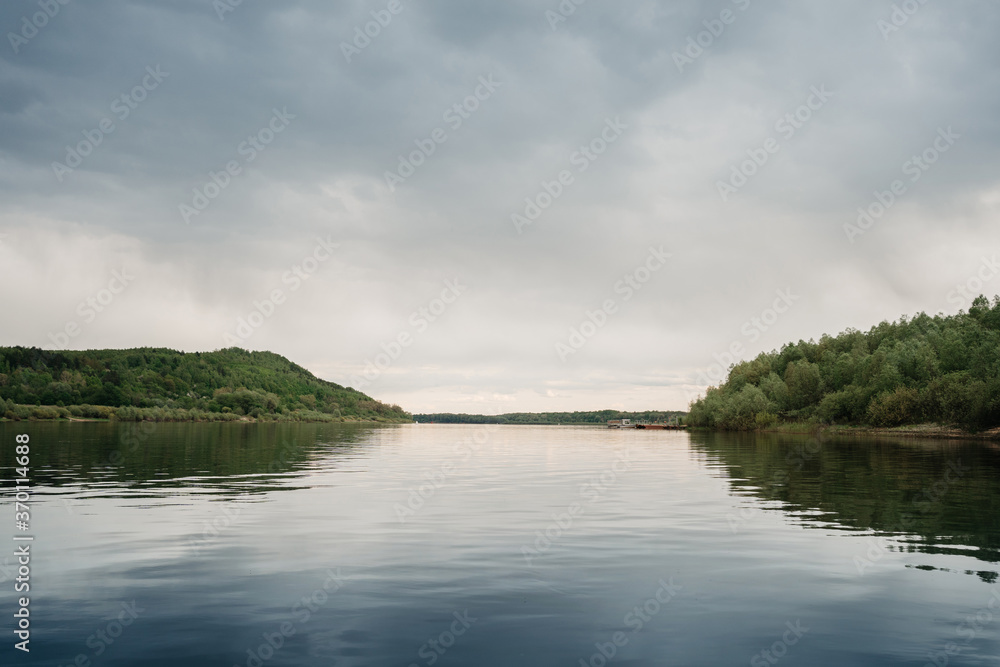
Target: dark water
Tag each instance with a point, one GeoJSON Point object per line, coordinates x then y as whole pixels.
{"type": "Point", "coordinates": [193, 544]}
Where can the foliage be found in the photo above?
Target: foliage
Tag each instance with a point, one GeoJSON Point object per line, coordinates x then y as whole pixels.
{"type": "Point", "coordinates": [925, 369]}
{"type": "Point", "coordinates": [165, 385]}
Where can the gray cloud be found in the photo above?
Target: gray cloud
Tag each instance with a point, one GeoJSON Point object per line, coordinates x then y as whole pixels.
{"type": "Point", "coordinates": [494, 348]}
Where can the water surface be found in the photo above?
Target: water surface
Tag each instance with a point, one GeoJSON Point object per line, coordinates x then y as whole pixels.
{"type": "Point", "coordinates": [471, 545]}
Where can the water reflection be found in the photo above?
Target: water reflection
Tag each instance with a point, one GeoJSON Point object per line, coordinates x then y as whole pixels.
{"type": "Point", "coordinates": [933, 497]}
{"type": "Point", "coordinates": [222, 458]}
{"type": "Point", "coordinates": [221, 534]}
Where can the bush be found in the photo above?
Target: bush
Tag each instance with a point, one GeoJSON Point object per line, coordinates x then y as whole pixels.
{"type": "Point", "coordinates": [895, 408]}
{"type": "Point", "coordinates": [765, 420]}
{"type": "Point", "coordinates": [956, 398]}
{"type": "Point", "coordinates": [740, 412]}
{"type": "Point", "coordinates": [43, 413]}
{"type": "Point", "coordinates": [804, 384]}
{"type": "Point", "coordinates": [848, 405]}
{"type": "Point", "coordinates": [776, 391]}
{"type": "Point", "coordinates": [128, 414]}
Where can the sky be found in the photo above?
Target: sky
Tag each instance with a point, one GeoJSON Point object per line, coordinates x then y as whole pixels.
{"type": "Point", "coordinates": [493, 207]}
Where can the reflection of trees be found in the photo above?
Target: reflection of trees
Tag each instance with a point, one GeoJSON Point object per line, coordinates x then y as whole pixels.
{"type": "Point", "coordinates": [946, 495]}
{"type": "Point", "coordinates": [241, 458]}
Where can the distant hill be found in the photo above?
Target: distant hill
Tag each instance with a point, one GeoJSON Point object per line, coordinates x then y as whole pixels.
{"type": "Point", "coordinates": [943, 370]}
{"type": "Point", "coordinates": [593, 417]}
{"type": "Point", "coordinates": [162, 384]}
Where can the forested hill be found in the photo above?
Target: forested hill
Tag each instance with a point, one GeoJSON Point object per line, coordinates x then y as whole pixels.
{"type": "Point", "coordinates": [594, 417]}
{"type": "Point", "coordinates": [170, 385]}
{"type": "Point", "coordinates": [943, 370]}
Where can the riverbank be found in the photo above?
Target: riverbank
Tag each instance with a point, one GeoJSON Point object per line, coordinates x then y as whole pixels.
{"type": "Point", "coordinates": [101, 413]}
{"type": "Point", "coordinates": [910, 431]}
{"type": "Point", "coordinates": [243, 420]}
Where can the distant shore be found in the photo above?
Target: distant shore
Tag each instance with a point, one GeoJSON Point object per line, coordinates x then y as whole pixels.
{"type": "Point", "coordinates": [578, 418]}
{"type": "Point", "coordinates": [132, 415]}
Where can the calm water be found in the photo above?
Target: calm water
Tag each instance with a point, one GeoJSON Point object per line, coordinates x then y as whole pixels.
{"type": "Point", "coordinates": [193, 544]}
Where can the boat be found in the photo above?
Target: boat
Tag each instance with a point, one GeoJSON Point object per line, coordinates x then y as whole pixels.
{"type": "Point", "coordinates": [669, 426]}
{"type": "Point", "coordinates": [627, 423]}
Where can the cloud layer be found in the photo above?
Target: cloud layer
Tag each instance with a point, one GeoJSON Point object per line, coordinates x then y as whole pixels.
{"type": "Point", "coordinates": [227, 154]}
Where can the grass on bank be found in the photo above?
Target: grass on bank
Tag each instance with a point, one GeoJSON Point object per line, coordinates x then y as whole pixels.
{"type": "Point", "coordinates": [13, 412]}
{"type": "Point", "coordinates": [816, 428]}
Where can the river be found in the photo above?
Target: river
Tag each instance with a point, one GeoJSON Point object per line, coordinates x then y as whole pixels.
{"type": "Point", "coordinates": [314, 544]}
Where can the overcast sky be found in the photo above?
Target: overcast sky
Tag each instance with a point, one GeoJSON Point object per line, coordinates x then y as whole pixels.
{"type": "Point", "coordinates": [217, 155]}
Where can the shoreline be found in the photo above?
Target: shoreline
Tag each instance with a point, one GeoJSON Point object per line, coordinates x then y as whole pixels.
{"type": "Point", "coordinates": [910, 431]}
{"type": "Point", "coordinates": [241, 420]}
{"type": "Point", "coordinates": [792, 428]}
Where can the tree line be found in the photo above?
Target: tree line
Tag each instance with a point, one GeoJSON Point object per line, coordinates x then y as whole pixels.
{"type": "Point", "coordinates": [166, 385]}
{"type": "Point", "coordinates": [548, 418]}
{"type": "Point", "coordinates": [940, 369]}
